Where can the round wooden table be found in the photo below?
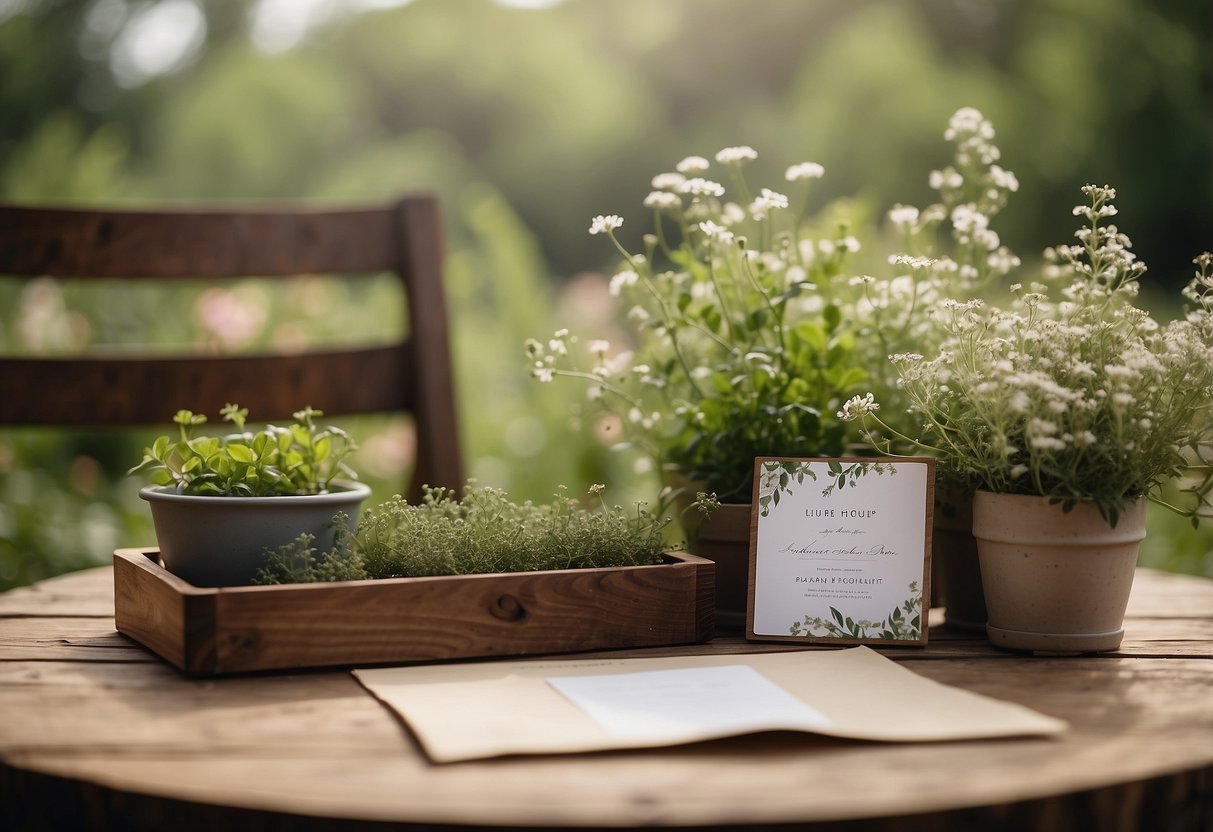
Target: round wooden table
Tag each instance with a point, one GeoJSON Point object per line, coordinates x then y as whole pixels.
{"type": "Point", "coordinates": [97, 732]}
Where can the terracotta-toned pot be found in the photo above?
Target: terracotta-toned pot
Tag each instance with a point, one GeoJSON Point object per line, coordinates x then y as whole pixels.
{"type": "Point", "coordinates": [1055, 581]}
{"type": "Point", "coordinates": [724, 538]}
{"type": "Point", "coordinates": [955, 564]}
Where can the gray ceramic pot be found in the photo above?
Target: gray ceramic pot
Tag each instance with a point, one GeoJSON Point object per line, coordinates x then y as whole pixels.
{"type": "Point", "coordinates": [221, 541]}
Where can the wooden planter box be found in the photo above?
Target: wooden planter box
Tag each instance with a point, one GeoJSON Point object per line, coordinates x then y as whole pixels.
{"type": "Point", "coordinates": [211, 631]}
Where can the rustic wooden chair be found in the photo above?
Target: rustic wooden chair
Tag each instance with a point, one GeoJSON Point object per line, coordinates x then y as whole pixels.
{"type": "Point", "coordinates": [104, 390]}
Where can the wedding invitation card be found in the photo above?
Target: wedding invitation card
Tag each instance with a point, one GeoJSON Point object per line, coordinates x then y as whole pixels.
{"type": "Point", "coordinates": [840, 550]}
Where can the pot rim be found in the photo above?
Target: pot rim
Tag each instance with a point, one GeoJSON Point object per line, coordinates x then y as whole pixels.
{"type": "Point", "coordinates": [344, 491]}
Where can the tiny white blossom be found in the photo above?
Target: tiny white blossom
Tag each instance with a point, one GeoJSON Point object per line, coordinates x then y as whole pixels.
{"type": "Point", "coordinates": [858, 406]}
{"type": "Point", "coordinates": [668, 181]}
{"type": "Point", "coordinates": [716, 232]}
{"type": "Point", "coordinates": [603, 223]}
{"type": "Point", "coordinates": [904, 217]}
{"type": "Point", "coordinates": [599, 348]}
{"type": "Point", "coordinates": [624, 278]}
{"type": "Point", "coordinates": [1004, 178]}
{"type": "Point", "coordinates": [701, 187]}
{"type": "Point", "coordinates": [732, 213]}
{"type": "Point", "coordinates": [662, 199]}
{"type": "Point", "coordinates": [773, 199]}
{"type": "Point", "coordinates": [741, 153]}
{"type": "Point", "coordinates": [693, 164]}
{"type": "Point", "coordinates": [804, 170]}
{"type": "Point", "coordinates": [946, 178]}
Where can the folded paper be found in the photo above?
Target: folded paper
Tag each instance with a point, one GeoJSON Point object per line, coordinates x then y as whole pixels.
{"type": "Point", "coordinates": [472, 711]}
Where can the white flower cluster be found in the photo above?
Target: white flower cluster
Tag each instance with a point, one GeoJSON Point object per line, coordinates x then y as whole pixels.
{"type": "Point", "coordinates": [604, 224]}
{"type": "Point", "coordinates": [730, 318]}
{"type": "Point", "coordinates": [1072, 394]}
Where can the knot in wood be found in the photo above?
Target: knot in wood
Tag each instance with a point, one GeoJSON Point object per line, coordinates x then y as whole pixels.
{"type": "Point", "coordinates": [508, 608]}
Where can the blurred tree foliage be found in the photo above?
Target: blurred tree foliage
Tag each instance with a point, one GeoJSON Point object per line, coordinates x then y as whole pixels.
{"type": "Point", "coordinates": [527, 123]}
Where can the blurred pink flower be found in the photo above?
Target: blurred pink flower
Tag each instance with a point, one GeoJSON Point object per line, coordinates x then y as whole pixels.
{"type": "Point", "coordinates": [231, 318]}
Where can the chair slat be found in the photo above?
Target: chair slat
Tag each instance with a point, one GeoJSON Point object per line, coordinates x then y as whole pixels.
{"type": "Point", "coordinates": [195, 244]}
{"type": "Point", "coordinates": [105, 392]}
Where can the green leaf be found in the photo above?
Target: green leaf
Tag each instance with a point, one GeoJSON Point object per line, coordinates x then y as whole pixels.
{"type": "Point", "coordinates": [160, 447]}
{"type": "Point", "coordinates": [850, 377]}
{"type": "Point", "coordinates": [837, 616]}
{"type": "Point", "coordinates": [812, 335]}
{"type": "Point", "coordinates": [832, 316]}
{"type": "Point", "coordinates": [322, 449]}
{"type": "Point", "coordinates": [242, 453]}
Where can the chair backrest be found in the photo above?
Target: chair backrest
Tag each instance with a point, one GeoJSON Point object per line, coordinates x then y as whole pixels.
{"type": "Point", "coordinates": [99, 390]}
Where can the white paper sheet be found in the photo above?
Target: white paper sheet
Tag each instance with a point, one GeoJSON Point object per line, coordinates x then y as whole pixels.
{"type": "Point", "coordinates": [679, 706]}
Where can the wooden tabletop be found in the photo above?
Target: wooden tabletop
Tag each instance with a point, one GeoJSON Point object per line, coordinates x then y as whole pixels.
{"type": "Point", "coordinates": [97, 732]}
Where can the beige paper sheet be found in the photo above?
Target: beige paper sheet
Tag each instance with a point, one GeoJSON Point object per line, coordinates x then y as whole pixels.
{"type": "Point", "coordinates": [472, 711]}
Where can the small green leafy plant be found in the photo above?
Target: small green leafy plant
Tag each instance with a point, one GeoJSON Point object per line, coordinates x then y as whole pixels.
{"type": "Point", "coordinates": [481, 533]}
{"type": "Point", "coordinates": [301, 458]}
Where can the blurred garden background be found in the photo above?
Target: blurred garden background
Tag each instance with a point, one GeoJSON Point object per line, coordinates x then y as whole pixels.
{"type": "Point", "coordinates": [528, 118]}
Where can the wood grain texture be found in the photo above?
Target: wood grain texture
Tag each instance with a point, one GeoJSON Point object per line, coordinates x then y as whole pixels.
{"type": "Point", "coordinates": [414, 375]}
{"type": "Point", "coordinates": [94, 391]}
{"type": "Point", "coordinates": [241, 629]}
{"type": "Point", "coordinates": [251, 242]}
{"type": "Point", "coordinates": [116, 744]}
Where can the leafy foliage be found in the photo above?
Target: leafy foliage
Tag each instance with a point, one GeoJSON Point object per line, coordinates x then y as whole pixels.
{"type": "Point", "coordinates": [904, 623]}
{"type": "Point", "coordinates": [302, 458]}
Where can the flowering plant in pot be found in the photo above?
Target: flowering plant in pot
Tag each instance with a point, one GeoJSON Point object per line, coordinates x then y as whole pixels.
{"type": "Point", "coordinates": [219, 503]}
{"type": "Point", "coordinates": [738, 352]}
{"type": "Point", "coordinates": [1069, 409]}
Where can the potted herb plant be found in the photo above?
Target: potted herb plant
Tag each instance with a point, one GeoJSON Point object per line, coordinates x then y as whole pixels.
{"type": "Point", "coordinates": [738, 352]}
{"type": "Point", "coordinates": [219, 503]}
{"type": "Point", "coordinates": [1070, 409]}
{"type": "Point", "coordinates": [484, 532]}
